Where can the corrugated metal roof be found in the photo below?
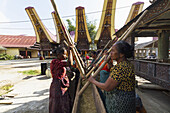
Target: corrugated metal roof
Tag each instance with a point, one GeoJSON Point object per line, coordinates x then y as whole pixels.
{"type": "Point", "coordinates": [17, 41]}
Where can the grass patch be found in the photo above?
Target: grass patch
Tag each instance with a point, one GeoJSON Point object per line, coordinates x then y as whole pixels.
{"type": "Point", "coordinates": [6, 87]}
{"type": "Point", "coordinates": [30, 72]}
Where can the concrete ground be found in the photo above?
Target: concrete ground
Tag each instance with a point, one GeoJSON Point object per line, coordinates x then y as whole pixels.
{"type": "Point", "coordinates": [32, 92]}
{"type": "Point", "coordinates": [155, 98]}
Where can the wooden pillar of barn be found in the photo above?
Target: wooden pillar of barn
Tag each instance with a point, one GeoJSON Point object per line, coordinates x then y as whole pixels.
{"type": "Point", "coordinates": [133, 43]}
{"type": "Point", "coordinates": [163, 45]}
{"type": "Point", "coordinates": [26, 53]}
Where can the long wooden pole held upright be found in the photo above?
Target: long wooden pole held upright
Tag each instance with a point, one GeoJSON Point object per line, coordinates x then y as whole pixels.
{"type": "Point", "coordinates": [103, 64]}
{"type": "Point", "coordinates": [82, 72]}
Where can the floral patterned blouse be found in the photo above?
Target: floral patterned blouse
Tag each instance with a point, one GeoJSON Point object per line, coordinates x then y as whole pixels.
{"type": "Point", "coordinates": [124, 74]}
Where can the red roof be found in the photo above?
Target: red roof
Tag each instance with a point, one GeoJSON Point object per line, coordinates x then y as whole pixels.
{"type": "Point", "coordinates": [17, 41]}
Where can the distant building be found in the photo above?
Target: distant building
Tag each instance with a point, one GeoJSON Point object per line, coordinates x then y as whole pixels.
{"type": "Point", "coordinates": [146, 49]}
{"type": "Point", "coordinates": [18, 45]}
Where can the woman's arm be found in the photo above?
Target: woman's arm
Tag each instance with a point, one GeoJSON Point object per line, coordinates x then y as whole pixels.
{"type": "Point", "coordinates": [109, 85]}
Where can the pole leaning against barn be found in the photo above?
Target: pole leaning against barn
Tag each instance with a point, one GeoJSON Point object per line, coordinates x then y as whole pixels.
{"type": "Point", "coordinates": [132, 27]}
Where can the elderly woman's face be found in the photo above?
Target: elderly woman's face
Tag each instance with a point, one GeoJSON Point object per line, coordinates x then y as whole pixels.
{"type": "Point", "coordinates": [114, 53]}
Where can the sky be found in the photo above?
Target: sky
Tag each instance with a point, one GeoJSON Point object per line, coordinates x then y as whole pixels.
{"type": "Point", "coordinates": [15, 21]}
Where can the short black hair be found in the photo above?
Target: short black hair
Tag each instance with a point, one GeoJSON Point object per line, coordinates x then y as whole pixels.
{"type": "Point", "coordinates": [59, 50]}
{"type": "Point", "coordinates": [125, 48]}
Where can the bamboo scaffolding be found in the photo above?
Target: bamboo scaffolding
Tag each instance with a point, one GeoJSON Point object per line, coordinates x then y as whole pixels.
{"type": "Point", "coordinates": [121, 38]}
{"type": "Point", "coordinates": [68, 38]}
{"type": "Point", "coordinates": [89, 67]}
{"type": "Point", "coordinates": [81, 60]}
{"type": "Point", "coordinates": [110, 41]}
{"type": "Point", "coordinates": [101, 59]}
{"type": "Point", "coordinates": [77, 54]}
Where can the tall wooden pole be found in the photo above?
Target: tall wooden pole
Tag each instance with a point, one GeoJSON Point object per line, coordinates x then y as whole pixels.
{"type": "Point", "coordinates": [65, 31]}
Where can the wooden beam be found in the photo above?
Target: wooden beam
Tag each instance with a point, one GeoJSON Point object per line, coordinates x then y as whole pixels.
{"type": "Point", "coordinates": [165, 27]}
{"type": "Point", "coordinates": [76, 100]}
{"type": "Point", "coordinates": [100, 108]}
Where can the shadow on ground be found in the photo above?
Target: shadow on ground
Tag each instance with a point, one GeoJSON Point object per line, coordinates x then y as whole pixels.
{"type": "Point", "coordinates": [43, 77]}
{"type": "Point", "coordinates": [32, 106]}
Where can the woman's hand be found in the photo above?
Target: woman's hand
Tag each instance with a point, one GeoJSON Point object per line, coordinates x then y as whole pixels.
{"type": "Point", "coordinates": [72, 46]}
{"type": "Point", "coordinates": [91, 79]}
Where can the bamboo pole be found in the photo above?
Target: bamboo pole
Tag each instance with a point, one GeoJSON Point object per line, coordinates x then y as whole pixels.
{"type": "Point", "coordinates": [91, 69]}
{"type": "Point", "coordinates": [98, 56]}
{"type": "Point", "coordinates": [103, 64]}
{"type": "Point", "coordinates": [96, 65]}
{"type": "Point", "coordinates": [82, 62]}
{"type": "Point", "coordinates": [129, 30]}
{"type": "Point", "coordinates": [87, 75]}
{"type": "Point", "coordinates": [65, 43]}
{"type": "Point", "coordinates": [113, 43]}
{"type": "Point", "coordinates": [69, 39]}
{"type": "Point", "coordinates": [135, 24]}
{"type": "Point", "coordinates": [76, 52]}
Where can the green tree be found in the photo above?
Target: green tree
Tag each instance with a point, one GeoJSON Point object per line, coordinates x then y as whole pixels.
{"type": "Point", "coordinates": [91, 25]}
{"type": "Point", "coordinates": [70, 26]}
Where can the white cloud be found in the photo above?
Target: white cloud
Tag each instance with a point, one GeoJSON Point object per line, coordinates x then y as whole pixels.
{"type": "Point", "coordinates": [3, 4]}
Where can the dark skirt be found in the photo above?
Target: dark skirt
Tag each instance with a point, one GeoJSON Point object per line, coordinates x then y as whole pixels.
{"type": "Point", "coordinates": [58, 103]}
{"type": "Point", "coordinates": [118, 101]}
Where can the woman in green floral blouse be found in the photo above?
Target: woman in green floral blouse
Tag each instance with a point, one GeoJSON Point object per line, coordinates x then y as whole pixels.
{"type": "Point", "coordinates": [120, 86]}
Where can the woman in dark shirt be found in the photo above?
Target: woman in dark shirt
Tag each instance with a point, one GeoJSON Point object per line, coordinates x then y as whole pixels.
{"type": "Point", "coordinates": [59, 100]}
